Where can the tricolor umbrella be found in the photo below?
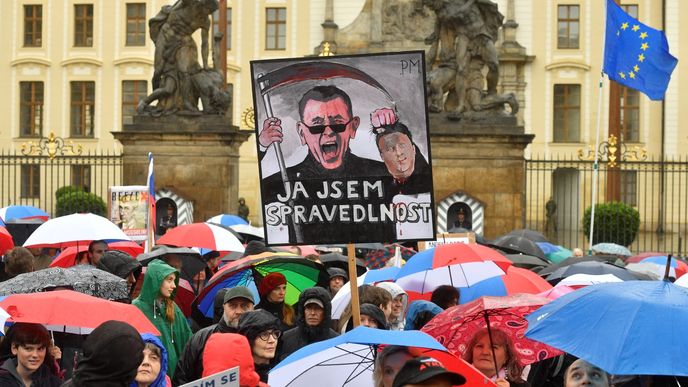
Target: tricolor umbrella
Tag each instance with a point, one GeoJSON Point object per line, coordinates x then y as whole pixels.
{"type": "Point", "coordinates": [679, 266]}
{"type": "Point", "coordinates": [652, 270]}
{"type": "Point", "coordinates": [6, 241]}
{"type": "Point", "coordinates": [458, 264]}
{"type": "Point", "coordinates": [299, 272]}
{"type": "Point", "coordinates": [348, 360]}
{"type": "Point", "coordinates": [516, 280]}
{"type": "Point", "coordinates": [456, 326]}
{"type": "Point", "coordinates": [227, 220]}
{"type": "Point", "coordinates": [249, 232]}
{"type": "Point", "coordinates": [625, 328]}
{"type": "Point", "coordinates": [22, 212]}
{"type": "Point", "coordinates": [202, 235]}
{"type": "Point", "coordinates": [68, 256]}
{"type": "Point", "coordinates": [75, 230]}
{"type": "Point", "coordinates": [341, 300]}
{"type": "Point", "coordinates": [73, 312]}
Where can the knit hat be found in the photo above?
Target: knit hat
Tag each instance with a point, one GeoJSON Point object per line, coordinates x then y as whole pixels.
{"type": "Point", "coordinates": [255, 322]}
{"type": "Point", "coordinates": [270, 282]}
{"type": "Point", "coordinates": [238, 292]}
{"type": "Point", "coordinates": [376, 314]}
{"type": "Point", "coordinates": [337, 272]}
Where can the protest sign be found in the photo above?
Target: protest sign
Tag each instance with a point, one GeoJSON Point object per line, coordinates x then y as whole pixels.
{"type": "Point", "coordinates": [343, 149]}
{"type": "Point", "coordinates": [128, 209]}
{"type": "Point", "coordinates": [227, 378]}
{"type": "Point", "coordinates": [445, 239]}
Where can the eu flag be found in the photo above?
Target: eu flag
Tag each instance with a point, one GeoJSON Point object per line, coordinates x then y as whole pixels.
{"type": "Point", "coordinates": [635, 55]}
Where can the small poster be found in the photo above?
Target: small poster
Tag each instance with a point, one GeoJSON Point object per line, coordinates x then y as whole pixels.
{"type": "Point", "coordinates": [128, 209]}
{"type": "Point", "coordinates": [343, 149]}
{"type": "Point", "coordinates": [228, 378]}
{"type": "Point", "coordinates": [447, 239]}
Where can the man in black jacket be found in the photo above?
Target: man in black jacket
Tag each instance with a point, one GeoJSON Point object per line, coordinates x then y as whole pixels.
{"type": "Point", "coordinates": [313, 322]}
{"type": "Point", "coordinates": [237, 301]}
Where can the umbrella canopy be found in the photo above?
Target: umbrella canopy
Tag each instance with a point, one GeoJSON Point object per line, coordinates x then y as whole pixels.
{"type": "Point", "coordinates": [300, 273]}
{"type": "Point", "coordinates": [591, 267]}
{"type": "Point", "coordinates": [456, 326]}
{"type": "Point", "coordinates": [192, 263]}
{"type": "Point", "coordinates": [579, 280]}
{"type": "Point", "coordinates": [527, 261]}
{"type": "Point", "coordinates": [625, 328]}
{"type": "Point", "coordinates": [571, 260]}
{"type": "Point", "coordinates": [652, 270]}
{"type": "Point", "coordinates": [10, 213]}
{"type": "Point", "coordinates": [249, 232]}
{"type": "Point", "coordinates": [456, 264]}
{"type": "Point", "coordinates": [347, 360]}
{"type": "Point", "coordinates": [83, 279]}
{"type": "Point", "coordinates": [516, 244]}
{"type": "Point", "coordinates": [516, 280]}
{"type": "Point", "coordinates": [612, 249]}
{"type": "Point", "coordinates": [342, 261]}
{"type": "Point", "coordinates": [680, 267]}
{"type": "Point", "coordinates": [554, 253]}
{"type": "Point", "coordinates": [227, 220]}
{"type": "Point", "coordinates": [67, 258]}
{"type": "Point", "coordinates": [682, 281]}
{"type": "Point", "coordinates": [376, 259]}
{"type": "Point", "coordinates": [203, 235]}
{"type": "Point", "coordinates": [75, 230]}
{"type": "Point", "coordinates": [533, 235]}
{"type": "Point", "coordinates": [556, 292]}
{"type": "Point", "coordinates": [6, 241]}
{"type": "Point", "coordinates": [73, 312]}
{"type": "Point", "coordinates": [343, 297]}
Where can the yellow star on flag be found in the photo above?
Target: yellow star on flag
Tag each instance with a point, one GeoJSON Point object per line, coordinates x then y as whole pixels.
{"type": "Point", "coordinates": [624, 26]}
{"type": "Point", "coordinates": [631, 74]}
{"type": "Point", "coordinates": [635, 28]}
{"type": "Point", "coordinates": [641, 58]}
{"type": "Point", "coordinates": [622, 75]}
{"type": "Point", "coordinates": [643, 35]}
{"type": "Point", "coordinates": [636, 68]}
{"type": "Point", "coordinates": [644, 46]}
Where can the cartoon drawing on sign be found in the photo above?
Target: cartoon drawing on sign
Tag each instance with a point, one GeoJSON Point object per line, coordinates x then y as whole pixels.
{"type": "Point", "coordinates": [334, 147]}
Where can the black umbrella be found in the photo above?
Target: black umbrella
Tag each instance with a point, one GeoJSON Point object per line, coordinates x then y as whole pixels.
{"type": "Point", "coordinates": [533, 235]}
{"type": "Point", "coordinates": [572, 260]}
{"type": "Point", "coordinates": [593, 268]}
{"type": "Point", "coordinates": [81, 278]}
{"type": "Point", "coordinates": [342, 262]}
{"type": "Point", "coordinates": [192, 263]}
{"type": "Point", "coordinates": [527, 261]}
{"type": "Point", "coordinates": [515, 244]}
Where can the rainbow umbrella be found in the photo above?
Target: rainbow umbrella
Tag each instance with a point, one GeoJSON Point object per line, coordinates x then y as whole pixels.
{"type": "Point", "coordinates": [300, 273]}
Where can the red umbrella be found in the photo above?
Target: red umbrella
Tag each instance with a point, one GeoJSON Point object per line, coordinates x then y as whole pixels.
{"type": "Point", "coordinates": [72, 311]}
{"type": "Point", "coordinates": [519, 280]}
{"type": "Point", "coordinates": [202, 235]}
{"type": "Point", "coordinates": [6, 241]}
{"type": "Point", "coordinates": [67, 257]}
{"type": "Point", "coordinates": [456, 326]}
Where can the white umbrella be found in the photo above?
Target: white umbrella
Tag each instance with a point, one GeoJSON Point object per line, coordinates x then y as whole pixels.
{"type": "Point", "coordinates": [682, 281]}
{"type": "Point", "coordinates": [248, 230]}
{"type": "Point", "coordinates": [588, 279]}
{"type": "Point", "coordinates": [75, 229]}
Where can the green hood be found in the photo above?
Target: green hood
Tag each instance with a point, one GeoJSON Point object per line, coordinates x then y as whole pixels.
{"type": "Point", "coordinates": [155, 274]}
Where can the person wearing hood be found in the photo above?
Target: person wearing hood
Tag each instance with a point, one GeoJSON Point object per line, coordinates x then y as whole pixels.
{"type": "Point", "coordinates": [399, 303]}
{"type": "Point", "coordinates": [314, 311]}
{"type": "Point", "coordinates": [237, 301]}
{"type": "Point", "coordinates": [338, 278]}
{"type": "Point", "coordinates": [113, 353]}
{"type": "Point", "coordinates": [373, 317]}
{"type": "Point", "coordinates": [153, 369]}
{"type": "Point", "coordinates": [156, 301]}
{"type": "Point", "coordinates": [29, 364]}
{"type": "Point", "coordinates": [419, 313]}
{"type": "Point", "coordinates": [122, 265]}
{"type": "Point", "coordinates": [217, 358]}
{"type": "Point", "coordinates": [261, 329]}
{"type": "Point", "coordinates": [272, 290]}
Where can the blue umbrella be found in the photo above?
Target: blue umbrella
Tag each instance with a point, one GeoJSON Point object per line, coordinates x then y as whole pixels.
{"type": "Point", "coordinates": [347, 360]}
{"type": "Point", "coordinates": [227, 220]}
{"type": "Point", "coordinates": [10, 213]}
{"type": "Point", "coordinates": [625, 328]}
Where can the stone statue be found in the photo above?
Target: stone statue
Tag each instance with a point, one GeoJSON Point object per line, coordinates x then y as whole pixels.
{"type": "Point", "coordinates": [243, 209]}
{"type": "Point", "coordinates": [461, 46]}
{"type": "Point", "coordinates": [178, 79]}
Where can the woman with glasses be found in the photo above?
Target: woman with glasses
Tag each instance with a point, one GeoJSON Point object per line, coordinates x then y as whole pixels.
{"type": "Point", "coordinates": [262, 330]}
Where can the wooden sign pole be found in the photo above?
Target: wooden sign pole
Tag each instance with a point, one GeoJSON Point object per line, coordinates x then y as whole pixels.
{"type": "Point", "coordinates": [353, 282]}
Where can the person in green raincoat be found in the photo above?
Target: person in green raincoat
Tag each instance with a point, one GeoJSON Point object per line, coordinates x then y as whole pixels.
{"type": "Point", "coordinates": [156, 301]}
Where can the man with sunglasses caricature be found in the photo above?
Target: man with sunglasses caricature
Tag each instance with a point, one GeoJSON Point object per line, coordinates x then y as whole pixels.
{"type": "Point", "coordinates": [327, 124]}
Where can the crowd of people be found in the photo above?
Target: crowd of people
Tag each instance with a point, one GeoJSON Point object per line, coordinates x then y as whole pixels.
{"type": "Point", "coordinates": [256, 334]}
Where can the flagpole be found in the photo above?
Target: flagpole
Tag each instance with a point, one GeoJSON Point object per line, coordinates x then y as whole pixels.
{"type": "Point", "coordinates": [595, 165]}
